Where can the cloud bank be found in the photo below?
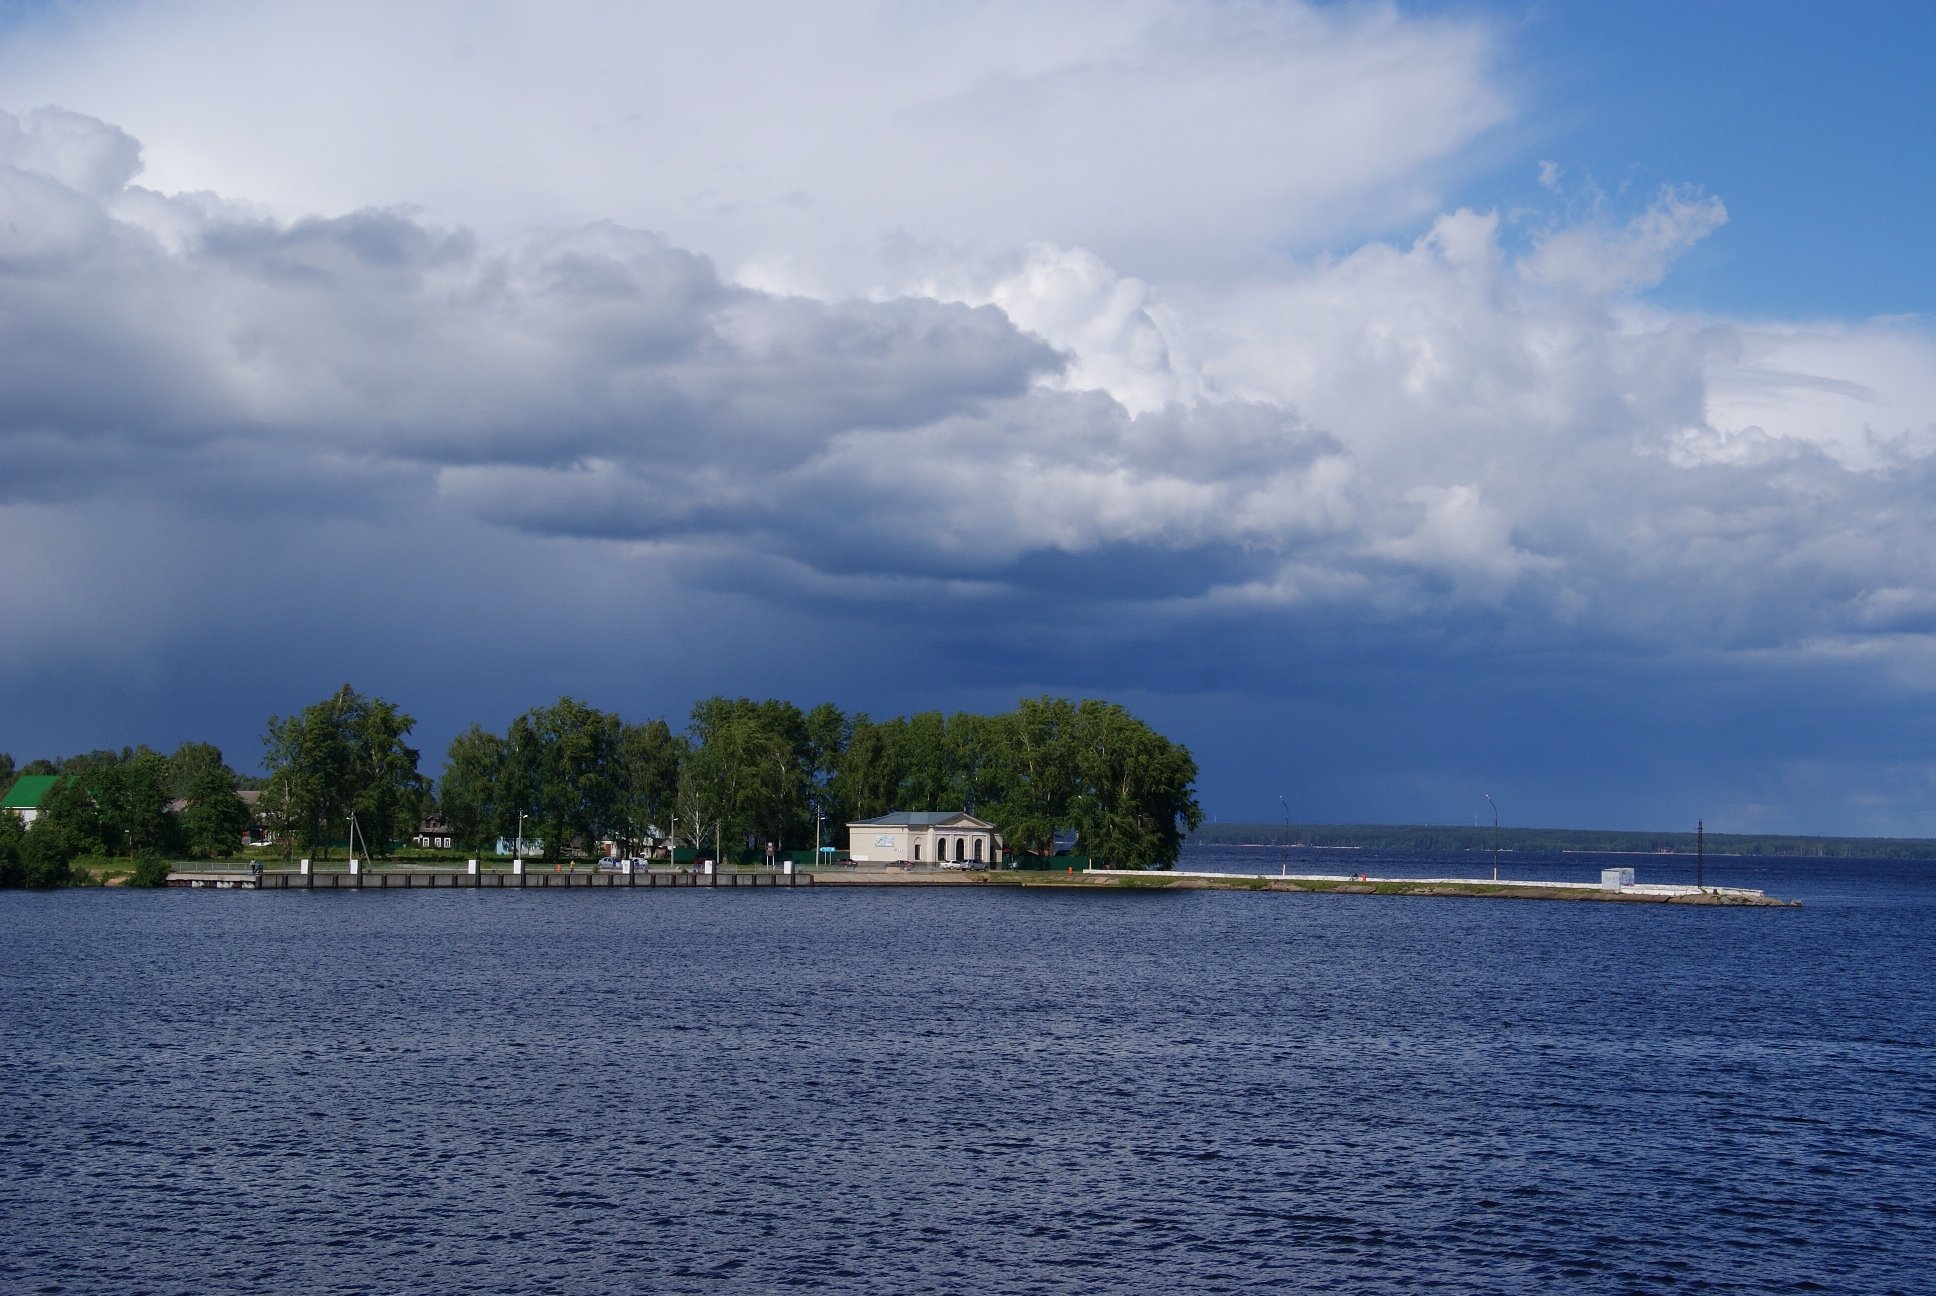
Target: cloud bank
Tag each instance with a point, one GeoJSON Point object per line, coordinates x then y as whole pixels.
{"type": "Point", "coordinates": [979, 364]}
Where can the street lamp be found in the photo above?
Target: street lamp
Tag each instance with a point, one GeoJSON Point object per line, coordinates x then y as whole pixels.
{"type": "Point", "coordinates": [1285, 871]}
{"type": "Point", "coordinates": [1495, 834]}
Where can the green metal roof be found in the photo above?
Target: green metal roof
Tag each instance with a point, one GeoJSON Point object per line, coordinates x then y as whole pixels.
{"type": "Point", "coordinates": [27, 790]}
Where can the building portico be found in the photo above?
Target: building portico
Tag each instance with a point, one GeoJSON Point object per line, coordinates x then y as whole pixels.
{"type": "Point", "coordinates": [925, 837]}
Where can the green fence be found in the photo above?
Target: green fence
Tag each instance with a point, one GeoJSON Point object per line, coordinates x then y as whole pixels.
{"type": "Point", "coordinates": [1048, 863]}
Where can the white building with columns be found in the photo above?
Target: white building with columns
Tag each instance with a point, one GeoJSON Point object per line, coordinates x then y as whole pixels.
{"type": "Point", "coordinates": [925, 837]}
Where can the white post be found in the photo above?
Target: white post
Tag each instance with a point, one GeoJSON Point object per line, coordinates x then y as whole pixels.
{"type": "Point", "coordinates": [355, 867]}
{"type": "Point", "coordinates": [517, 867]}
{"type": "Point", "coordinates": [786, 868]}
{"type": "Point", "coordinates": [473, 867]}
{"type": "Point", "coordinates": [305, 868]}
{"type": "Point", "coordinates": [706, 867]}
{"type": "Point", "coordinates": [625, 868]}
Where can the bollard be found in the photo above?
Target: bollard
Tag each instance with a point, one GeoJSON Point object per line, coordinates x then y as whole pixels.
{"type": "Point", "coordinates": [786, 868]}
{"type": "Point", "coordinates": [305, 868]}
{"type": "Point", "coordinates": [472, 870]}
{"type": "Point", "coordinates": [517, 868]}
{"type": "Point", "coordinates": [355, 866]}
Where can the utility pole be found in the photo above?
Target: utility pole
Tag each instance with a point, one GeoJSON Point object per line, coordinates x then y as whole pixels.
{"type": "Point", "coordinates": [1285, 871]}
{"type": "Point", "coordinates": [1495, 834]}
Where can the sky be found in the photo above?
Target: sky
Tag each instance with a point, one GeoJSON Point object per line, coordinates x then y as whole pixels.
{"type": "Point", "coordinates": [1396, 403]}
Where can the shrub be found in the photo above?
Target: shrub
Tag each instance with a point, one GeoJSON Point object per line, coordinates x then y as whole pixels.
{"type": "Point", "coordinates": [149, 871]}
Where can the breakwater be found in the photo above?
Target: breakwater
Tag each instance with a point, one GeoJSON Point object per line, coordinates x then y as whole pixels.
{"type": "Point", "coordinates": [1109, 879]}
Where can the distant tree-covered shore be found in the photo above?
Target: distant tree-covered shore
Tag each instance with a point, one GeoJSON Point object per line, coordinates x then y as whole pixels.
{"type": "Point", "coordinates": [1458, 837]}
{"type": "Point", "coordinates": [567, 778]}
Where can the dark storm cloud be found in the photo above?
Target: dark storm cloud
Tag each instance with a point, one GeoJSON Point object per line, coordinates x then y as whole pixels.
{"type": "Point", "coordinates": [280, 452]}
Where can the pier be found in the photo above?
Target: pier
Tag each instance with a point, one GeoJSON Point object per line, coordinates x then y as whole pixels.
{"type": "Point", "coordinates": [407, 878]}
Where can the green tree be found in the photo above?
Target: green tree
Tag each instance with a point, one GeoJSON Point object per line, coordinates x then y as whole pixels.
{"type": "Point", "coordinates": [190, 762]}
{"type": "Point", "coordinates": [67, 828]}
{"type": "Point", "coordinates": [341, 756]}
{"type": "Point", "coordinates": [13, 871]}
{"type": "Point", "coordinates": [927, 772]}
{"type": "Point", "coordinates": [215, 820]}
{"type": "Point", "coordinates": [747, 773]}
{"type": "Point", "coordinates": [827, 732]}
{"type": "Point", "coordinates": [1135, 799]}
{"type": "Point", "coordinates": [867, 780]}
{"type": "Point", "coordinates": [131, 796]}
{"type": "Point", "coordinates": [1036, 772]}
{"type": "Point", "coordinates": [648, 764]}
{"type": "Point", "coordinates": [974, 757]}
{"type": "Point", "coordinates": [6, 772]}
{"type": "Point", "coordinates": [567, 769]}
{"type": "Point", "coordinates": [471, 791]}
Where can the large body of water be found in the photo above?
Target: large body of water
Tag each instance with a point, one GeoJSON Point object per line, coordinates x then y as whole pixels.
{"type": "Point", "coordinates": [989, 1090]}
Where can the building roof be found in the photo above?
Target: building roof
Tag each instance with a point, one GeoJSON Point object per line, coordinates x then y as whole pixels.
{"type": "Point", "coordinates": [27, 790]}
{"type": "Point", "coordinates": [921, 819]}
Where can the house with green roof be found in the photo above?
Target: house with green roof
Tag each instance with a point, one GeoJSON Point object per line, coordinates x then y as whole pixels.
{"type": "Point", "coordinates": [25, 796]}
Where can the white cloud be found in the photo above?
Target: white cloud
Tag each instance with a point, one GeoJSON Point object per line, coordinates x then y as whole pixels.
{"type": "Point", "coordinates": [1598, 259]}
{"type": "Point", "coordinates": [1163, 133]}
{"type": "Point", "coordinates": [1410, 430]}
{"type": "Point", "coordinates": [1864, 394]}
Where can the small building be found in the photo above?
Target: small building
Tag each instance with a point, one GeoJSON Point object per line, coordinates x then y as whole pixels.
{"type": "Point", "coordinates": [260, 831]}
{"type": "Point", "coordinates": [26, 794]}
{"type": "Point", "coordinates": [433, 833]}
{"type": "Point", "coordinates": [925, 837]}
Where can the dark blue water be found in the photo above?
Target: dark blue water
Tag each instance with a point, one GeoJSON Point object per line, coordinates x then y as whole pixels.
{"type": "Point", "coordinates": [973, 1090]}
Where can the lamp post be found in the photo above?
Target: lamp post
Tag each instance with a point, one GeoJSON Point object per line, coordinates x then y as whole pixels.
{"type": "Point", "coordinates": [1495, 834]}
{"type": "Point", "coordinates": [1285, 870]}
{"type": "Point", "coordinates": [517, 851]}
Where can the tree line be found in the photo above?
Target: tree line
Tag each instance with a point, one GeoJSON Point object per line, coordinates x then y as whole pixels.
{"type": "Point", "coordinates": [116, 804]}
{"type": "Point", "coordinates": [739, 774]}
{"type": "Point", "coordinates": [743, 773]}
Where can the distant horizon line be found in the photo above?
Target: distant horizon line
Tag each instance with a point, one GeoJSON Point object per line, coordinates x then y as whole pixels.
{"type": "Point", "coordinates": [1278, 827]}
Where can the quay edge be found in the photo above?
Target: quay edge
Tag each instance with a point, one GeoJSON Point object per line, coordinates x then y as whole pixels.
{"type": "Point", "coordinates": [1116, 879]}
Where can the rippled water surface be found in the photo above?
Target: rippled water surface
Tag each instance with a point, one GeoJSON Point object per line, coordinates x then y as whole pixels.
{"type": "Point", "coordinates": [974, 1090]}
